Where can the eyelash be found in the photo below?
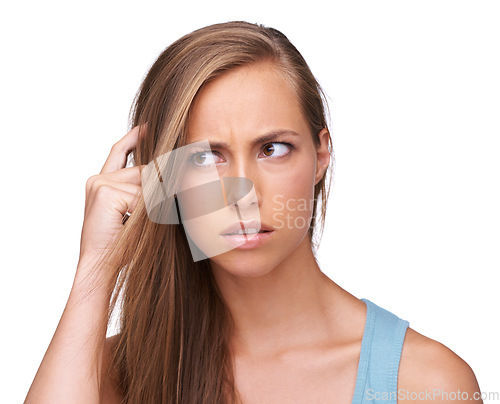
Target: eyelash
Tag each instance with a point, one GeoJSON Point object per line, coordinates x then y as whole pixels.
{"type": "Point", "coordinates": [290, 145]}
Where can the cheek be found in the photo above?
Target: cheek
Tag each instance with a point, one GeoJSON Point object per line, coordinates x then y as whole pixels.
{"type": "Point", "coordinates": [291, 199]}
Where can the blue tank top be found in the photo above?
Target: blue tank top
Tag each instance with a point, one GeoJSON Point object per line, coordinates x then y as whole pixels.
{"type": "Point", "coordinates": [378, 366]}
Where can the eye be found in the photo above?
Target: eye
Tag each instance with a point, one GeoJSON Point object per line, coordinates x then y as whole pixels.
{"type": "Point", "coordinates": [277, 149]}
{"type": "Point", "coordinates": [203, 159]}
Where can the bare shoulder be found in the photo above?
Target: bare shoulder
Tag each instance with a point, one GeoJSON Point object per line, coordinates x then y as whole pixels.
{"type": "Point", "coordinates": [429, 370]}
{"type": "Point", "coordinates": [109, 391]}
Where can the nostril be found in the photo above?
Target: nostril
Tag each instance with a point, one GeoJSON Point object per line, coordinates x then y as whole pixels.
{"type": "Point", "coordinates": [236, 189]}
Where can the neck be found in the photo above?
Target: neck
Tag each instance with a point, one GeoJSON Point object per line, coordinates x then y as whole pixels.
{"type": "Point", "coordinates": [288, 307]}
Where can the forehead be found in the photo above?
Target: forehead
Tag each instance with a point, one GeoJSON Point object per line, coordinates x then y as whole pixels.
{"type": "Point", "coordinates": [247, 100]}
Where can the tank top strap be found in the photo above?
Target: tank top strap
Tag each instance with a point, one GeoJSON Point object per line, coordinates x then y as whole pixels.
{"type": "Point", "coordinates": [381, 348]}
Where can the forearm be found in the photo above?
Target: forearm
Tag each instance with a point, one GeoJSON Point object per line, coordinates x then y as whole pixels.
{"type": "Point", "coordinates": [66, 373]}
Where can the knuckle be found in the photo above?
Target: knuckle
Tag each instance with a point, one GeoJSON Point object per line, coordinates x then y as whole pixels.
{"type": "Point", "coordinates": [138, 190]}
{"type": "Point", "coordinates": [90, 182]}
{"type": "Point", "coordinates": [117, 147]}
{"type": "Point", "coordinates": [139, 171]}
{"type": "Point", "coordinates": [103, 191]}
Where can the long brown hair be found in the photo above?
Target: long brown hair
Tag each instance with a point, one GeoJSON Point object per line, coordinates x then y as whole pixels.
{"type": "Point", "coordinates": [174, 328]}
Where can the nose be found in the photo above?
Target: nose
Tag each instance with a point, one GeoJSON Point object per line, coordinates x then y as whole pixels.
{"type": "Point", "coordinates": [240, 187]}
{"type": "Point", "coordinates": [238, 191]}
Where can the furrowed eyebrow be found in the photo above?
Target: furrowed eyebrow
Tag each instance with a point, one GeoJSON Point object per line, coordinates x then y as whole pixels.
{"type": "Point", "coordinates": [268, 137]}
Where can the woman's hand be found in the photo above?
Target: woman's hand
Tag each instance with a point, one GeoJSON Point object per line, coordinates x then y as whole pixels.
{"type": "Point", "coordinates": [109, 196]}
{"type": "Point", "coordinates": [68, 373]}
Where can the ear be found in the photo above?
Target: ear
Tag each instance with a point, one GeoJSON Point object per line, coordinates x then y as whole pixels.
{"type": "Point", "coordinates": [322, 155]}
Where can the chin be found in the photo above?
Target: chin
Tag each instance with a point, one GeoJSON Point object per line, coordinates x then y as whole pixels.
{"type": "Point", "coordinates": [242, 265]}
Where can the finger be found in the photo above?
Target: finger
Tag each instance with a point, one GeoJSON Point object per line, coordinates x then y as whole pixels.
{"type": "Point", "coordinates": [126, 205]}
{"type": "Point", "coordinates": [107, 185]}
{"type": "Point", "coordinates": [131, 175]}
{"type": "Point", "coordinates": [117, 157]}
{"type": "Point", "coordinates": [131, 201]}
{"type": "Point", "coordinates": [123, 201]}
{"type": "Point", "coordinates": [116, 196]}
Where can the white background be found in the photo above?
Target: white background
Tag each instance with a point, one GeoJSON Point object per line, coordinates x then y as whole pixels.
{"type": "Point", "coordinates": [413, 220]}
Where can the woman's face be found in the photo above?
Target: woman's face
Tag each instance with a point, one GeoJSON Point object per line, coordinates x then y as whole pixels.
{"type": "Point", "coordinates": [232, 112]}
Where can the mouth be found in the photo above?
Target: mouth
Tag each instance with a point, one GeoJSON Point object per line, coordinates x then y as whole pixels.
{"type": "Point", "coordinates": [245, 231]}
{"type": "Point", "coordinates": [247, 235]}
{"type": "Point", "coordinates": [249, 228]}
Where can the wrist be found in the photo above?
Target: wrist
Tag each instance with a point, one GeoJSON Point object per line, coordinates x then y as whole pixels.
{"type": "Point", "coordinates": [91, 277]}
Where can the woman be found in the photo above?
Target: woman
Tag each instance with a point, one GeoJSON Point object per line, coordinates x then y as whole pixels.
{"type": "Point", "coordinates": [210, 316]}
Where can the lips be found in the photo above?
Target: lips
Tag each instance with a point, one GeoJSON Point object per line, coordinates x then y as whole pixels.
{"type": "Point", "coordinates": [258, 234]}
{"type": "Point", "coordinates": [249, 225]}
